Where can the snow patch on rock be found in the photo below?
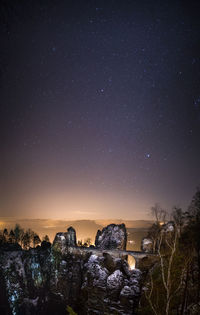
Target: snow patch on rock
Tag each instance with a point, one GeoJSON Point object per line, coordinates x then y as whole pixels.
{"type": "Point", "coordinates": [115, 280]}
{"type": "Point", "coordinates": [112, 236]}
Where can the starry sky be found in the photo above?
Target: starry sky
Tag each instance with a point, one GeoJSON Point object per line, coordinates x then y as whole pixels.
{"type": "Point", "coordinates": [99, 107]}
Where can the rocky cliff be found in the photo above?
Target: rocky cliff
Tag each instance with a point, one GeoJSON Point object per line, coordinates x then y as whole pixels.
{"type": "Point", "coordinates": [47, 279]}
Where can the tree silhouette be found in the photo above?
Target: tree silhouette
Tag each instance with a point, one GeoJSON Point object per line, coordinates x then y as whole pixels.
{"type": "Point", "coordinates": [36, 240]}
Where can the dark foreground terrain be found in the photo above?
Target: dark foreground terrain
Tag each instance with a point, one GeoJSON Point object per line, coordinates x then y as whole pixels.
{"type": "Point", "coordinates": [47, 279]}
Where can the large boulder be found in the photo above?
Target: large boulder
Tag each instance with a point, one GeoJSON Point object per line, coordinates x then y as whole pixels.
{"type": "Point", "coordinates": [113, 236]}
{"type": "Point", "coordinates": [146, 245]}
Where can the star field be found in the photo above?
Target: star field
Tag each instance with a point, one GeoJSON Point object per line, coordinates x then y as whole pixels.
{"type": "Point", "coordinates": [100, 107]}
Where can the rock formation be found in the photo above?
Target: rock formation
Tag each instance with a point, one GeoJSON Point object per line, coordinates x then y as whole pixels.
{"type": "Point", "coordinates": [106, 292]}
{"type": "Point", "coordinates": [168, 227]}
{"type": "Point", "coordinates": [112, 236]}
{"type": "Point", "coordinates": [46, 279]}
{"type": "Point", "coordinates": [65, 239]}
{"type": "Point", "coordinates": [147, 245]}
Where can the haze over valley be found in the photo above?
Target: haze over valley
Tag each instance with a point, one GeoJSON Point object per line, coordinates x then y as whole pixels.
{"type": "Point", "coordinates": [85, 229]}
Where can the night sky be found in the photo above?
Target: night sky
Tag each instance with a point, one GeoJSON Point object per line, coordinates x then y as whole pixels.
{"type": "Point", "coordinates": [99, 107]}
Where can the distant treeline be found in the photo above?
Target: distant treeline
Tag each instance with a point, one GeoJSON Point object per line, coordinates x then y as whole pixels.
{"type": "Point", "coordinates": [24, 238]}
{"type": "Point", "coordinates": [28, 238]}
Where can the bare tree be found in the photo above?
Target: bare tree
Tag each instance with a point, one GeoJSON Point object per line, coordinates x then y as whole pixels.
{"type": "Point", "coordinates": [19, 232]}
{"type": "Point", "coordinates": [158, 213]}
{"type": "Point", "coordinates": [167, 250]}
{"type": "Point", "coordinates": [166, 269]}
{"type": "Point", "coordinates": [36, 240]}
{"type": "Point", "coordinates": [5, 235]}
{"type": "Point", "coordinates": [11, 238]}
{"type": "Point", "coordinates": [153, 234]}
{"type": "Point", "coordinates": [80, 243]}
{"type": "Point", "coordinates": [87, 242]}
{"type": "Point", "coordinates": [178, 218]}
{"type": "Point", "coordinates": [46, 238]}
{"type": "Point", "coordinates": [26, 240]}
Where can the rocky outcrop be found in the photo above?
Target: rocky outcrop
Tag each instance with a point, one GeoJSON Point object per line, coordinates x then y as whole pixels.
{"type": "Point", "coordinates": [65, 239]}
{"type": "Point", "coordinates": [113, 236]}
{"type": "Point", "coordinates": [46, 279]}
{"type": "Point", "coordinates": [106, 292]}
{"type": "Point", "coordinates": [40, 281]}
{"type": "Point", "coordinates": [71, 237]}
{"type": "Point", "coordinates": [168, 227]}
{"type": "Point", "coordinates": [147, 245]}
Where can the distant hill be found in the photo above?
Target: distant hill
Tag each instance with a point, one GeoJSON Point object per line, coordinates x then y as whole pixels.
{"type": "Point", "coordinates": [128, 223]}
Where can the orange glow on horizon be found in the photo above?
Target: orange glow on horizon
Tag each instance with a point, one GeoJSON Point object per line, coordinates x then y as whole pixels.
{"type": "Point", "coordinates": [80, 205]}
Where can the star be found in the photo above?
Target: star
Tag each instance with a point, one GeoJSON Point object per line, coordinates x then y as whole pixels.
{"type": "Point", "coordinates": [111, 88]}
